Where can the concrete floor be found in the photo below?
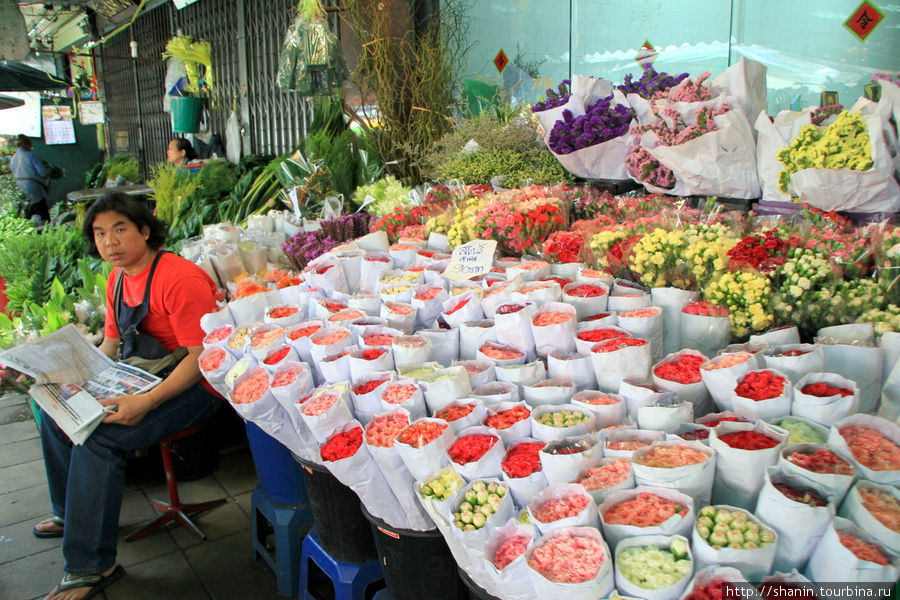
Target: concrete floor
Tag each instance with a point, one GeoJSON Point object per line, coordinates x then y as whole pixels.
{"type": "Point", "coordinates": [170, 564]}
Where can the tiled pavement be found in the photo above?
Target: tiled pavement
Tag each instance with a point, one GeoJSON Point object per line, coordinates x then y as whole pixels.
{"type": "Point", "coordinates": [170, 564]}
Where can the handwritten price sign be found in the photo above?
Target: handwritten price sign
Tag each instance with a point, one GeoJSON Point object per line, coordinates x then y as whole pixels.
{"type": "Point", "coordinates": [471, 260]}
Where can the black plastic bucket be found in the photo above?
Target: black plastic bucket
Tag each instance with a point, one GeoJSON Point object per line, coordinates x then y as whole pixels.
{"type": "Point", "coordinates": [416, 564]}
{"type": "Point", "coordinates": [280, 477]}
{"type": "Point", "coordinates": [476, 592]}
{"type": "Point", "coordinates": [343, 530]}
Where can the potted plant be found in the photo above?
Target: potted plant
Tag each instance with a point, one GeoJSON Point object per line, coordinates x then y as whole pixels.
{"type": "Point", "coordinates": [187, 100]}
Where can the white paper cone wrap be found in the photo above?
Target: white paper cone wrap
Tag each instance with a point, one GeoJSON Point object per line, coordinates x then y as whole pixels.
{"type": "Point", "coordinates": [587, 517]}
{"type": "Point", "coordinates": [512, 581]}
{"type": "Point", "coordinates": [377, 241]}
{"type": "Point", "coordinates": [598, 587]}
{"type": "Point", "coordinates": [779, 336]}
{"type": "Point", "coordinates": [445, 343]}
{"type": "Point", "coordinates": [409, 350]}
{"type": "Point", "coordinates": [768, 409]}
{"type": "Point", "coordinates": [548, 433]}
{"type": "Point", "coordinates": [335, 368]}
{"type": "Point", "coordinates": [834, 483]}
{"type": "Point", "coordinates": [240, 367]}
{"type": "Point", "coordinates": [302, 344]}
{"type": "Point", "coordinates": [397, 292]}
{"type": "Point", "coordinates": [825, 411]}
{"type": "Point", "coordinates": [216, 377]}
{"type": "Point", "coordinates": [705, 575]}
{"type": "Point", "coordinates": [289, 393]}
{"type": "Point", "coordinates": [523, 489]}
{"type": "Point", "coordinates": [428, 310]}
{"type": "Point", "coordinates": [649, 328]}
{"type": "Point", "coordinates": [470, 311]}
{"type": "Point", "coordinates": [361, 474]}
{"type": "Point", "coordinates": [721, 382]}
{"type": "Point", "coordinates": [628, 435]}
{"type": "Point", "coordinates": [261, 348]}
{"type": "Point", "coordinates": [558, 337]}
{"type": "Point", "coordinates": [600, 494]}
{"type": "Point", "coordinates": [584, 344]}
{"type": "Point", "coordinates": [286, 321]}
{"type": "Point", "coordinates": [351, 263]}
{"type": "Point", "coordinates": [336, 416]}
{"type": "Point", "coordinates": [496, 296]}
{"type": "Point", "coordinates": [799, 525]}
{"type": "Point", "coordinates": [430, 457]}
{"type": "Point", "coordinates": [753, 563]}
{"type": "Point", "coordinates": [564, 468]}
{"type": "Point", "coordinates": [214, 320]}
{"type": "Point", "coordinates": [414, 405]}
{"type": "Point", "coordinates": [694, 480]}
{"type": "Point", "coordinates": [664, 417]}
{"type": "Point", "coordinates": [297, 294]}
{"type": "Point", "coordinates": [672, 300]}
{"type": "Point", "coordinates": [522, 375]}
{"type": "Point", "coordinates": [695, 393]}
{"type": "Point", "coordinates": [403, 322]}
{"type": "Point", "coordinates": [539, 293]}
{"type": "Point", "coordinates": [488, 466]}
{"type": "Point", "coordinates": [443, 386]}
{"type": "Point", "coordinates": [603, 319]}
{"type": "Point", "coordinates": [677, 524]}
{"type": "Point", "coordinates": [796, 367]}
{"type": "Point", "coordinates": [370, 402]}
{"type": "Point", "coordinates": [515, 328]}
{"type": "Point", "coordinates": [516, 431]}
{"type": "Point", "coordinates": [740, 473]}
{"type": "Point", "coordinates": [586, 306]}
{"type": "Point", "coordinates": [529, 271]}
{"type": "Point", "coordinates": [495, 392]}
{"type": "Point", "coordinates": [703, 333]}
{"type": "Point", "coordinates": [631, 362]}
{"type": "Point", "coordinates": [627, 588]}
{"type": "Point", "coordinates": [368, 303]}
{"type": "Point", "coordinates": [854, 510]}
{"type": "Point", "coordinates": [572, 366]}
{"type": "Point", "coordinates": [832, 561]}
{"type": "Point", "coordinates": [360, 367]}
{"type": "Point", "coordinates": [624, 303]}
{"type": "Point", "coordinates": [861, 364]}
{"type": "Point", "coordinates": [319, 343]}
{"type": "Point", "coordinates": [606, 415]}
{"type": "Point", "coordinates": [370, 271]}
{"type": "Point", "coordinates": [473, 335]}
{"type": "Point", "coordinates": [889, 430]}
{"type": "Point", "coordinates": [291, 356]}
{"type": "Point", "coordinates": [472, 419]}
{"type": "Point", "coordinates": [327, 273]}
{"type": "Point", "coordinates": [549, 392]}
{"type": "Point", "coordinates": [487, 352]}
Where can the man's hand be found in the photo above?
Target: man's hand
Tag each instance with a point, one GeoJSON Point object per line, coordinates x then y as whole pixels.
{"type": "Point", "coordinates": [130, 410]}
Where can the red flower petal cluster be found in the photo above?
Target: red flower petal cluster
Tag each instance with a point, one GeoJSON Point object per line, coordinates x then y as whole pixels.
{"type": "Point", "coordinates": [600, 335]}
{"type": "Point", "coordinates": [683, 369]}
{"type": "Point", "coordinates": [586, 291]}
{"type": "Point", "coordinates": [563, 246]}
{"type": "Point", "coordinates": [372, 354]}
{"type": "Point", "coordinates": [823, 390]}
{"type": "Point", "coordinates": [507, 418]}
{"type": "Point", "coordinates": [706, 309]}
{"type": "Point", "coordinates": [365, 388]}
{"type": "Point", "coordinates": [458, 306]}
{"type": "Point", "coordinates": [618, 344]}
{"type": "Point", "coordinates": [714, 590]}
{"type": "Point", "coordinates": [822, 460]}
{"type": "Point", "coordinates": [863, 550]}
{"type": "Point", "coordinates": [763, 251]}
{"type": "Point", "coordinates": [522, 459]}
{"type": "Point", "coordinates": [761, 385]}
{"type": "Point", "coordinates": [470, 448]}
{"type": "Point", "coordinates": [748, 440]}
{"type": "Point", "coordinates": [452, 413]}
{"type": "Point", "coordinates": [342, 445]}
{"type": "Point", "coordinates": [421, 433]}
{"type": "Point", "coordinates": [277, 356]}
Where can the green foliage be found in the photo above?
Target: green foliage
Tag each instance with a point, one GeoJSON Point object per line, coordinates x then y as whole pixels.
{"type": "Point", "coordinates": [387, 192]}
{"type": "Point", "coordinates": [12, 198]}
{"type": "Point", "coordinates": [123, 165]}
{"type": "Point", "coordinates": [215, 181]}
{"type": "Point", "coordinates": [171, 187]}
{"type": "Point", "coordinates": [29, 263]}
{"type": "Point", "coordinates": [12, 226]}
{"type": "Point", "coordinates": [515, 167]}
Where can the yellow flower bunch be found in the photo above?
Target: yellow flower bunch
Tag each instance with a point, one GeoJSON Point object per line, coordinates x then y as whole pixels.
{"type": "Point", "coordinates": [657, 259]}
{"type": "Point", "coordinates": [883, 320]}
{"type": "Point", "coordinates": [707, 252]}
{"type": "Point", "coordinates": [438, 224]}
{"type": "Point", "coordinates": [842, 145]}
{"type": "Point", "coordinates": [600, 244]}
{"type": "Point", "coordinates": [746, 294]}
{"type": "Point", "coordinates": [462, 226]}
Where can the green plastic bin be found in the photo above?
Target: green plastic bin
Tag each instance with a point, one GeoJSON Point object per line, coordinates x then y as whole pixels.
{"type": "Point", "coordinates": [186, 114]}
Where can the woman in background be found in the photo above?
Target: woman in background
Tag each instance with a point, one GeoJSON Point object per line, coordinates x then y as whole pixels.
{"type": "Point", "coordinates": [180, 152]}
{"type": "Point", "coordinates": [30, 173]}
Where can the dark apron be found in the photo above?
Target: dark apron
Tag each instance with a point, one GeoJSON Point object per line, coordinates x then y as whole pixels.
{"type": "Point", "coordinates": [129, 318]}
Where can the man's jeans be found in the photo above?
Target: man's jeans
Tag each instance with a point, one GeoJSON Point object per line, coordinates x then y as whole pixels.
{"type": "Point", "coordinates": [87, 482]}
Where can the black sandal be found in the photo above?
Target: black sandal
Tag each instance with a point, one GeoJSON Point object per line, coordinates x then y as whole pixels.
{"type": "Point", "coordinates": [96, 582]}
{"type": "Point", "coordinates": [53, 533]}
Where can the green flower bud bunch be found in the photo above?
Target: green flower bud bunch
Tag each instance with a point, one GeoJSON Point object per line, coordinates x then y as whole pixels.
{"type": "Point", "coordinates": [478, 505]}
{"type": "Point", "coordinates": [804, 272]}
{"type": "Point", "coordinates": [884, 320]}
{"type": "Point", "coordinates": [842, 145]}
{"type": "Point", "coordinates": [722, 528]}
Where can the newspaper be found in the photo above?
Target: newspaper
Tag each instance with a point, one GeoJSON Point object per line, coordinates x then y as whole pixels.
{"type": "Point", "coordinates": [70, 374]}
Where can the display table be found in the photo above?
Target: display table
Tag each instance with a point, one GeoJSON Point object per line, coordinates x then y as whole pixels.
{"type": "Point", "coordinates": [89, 195]}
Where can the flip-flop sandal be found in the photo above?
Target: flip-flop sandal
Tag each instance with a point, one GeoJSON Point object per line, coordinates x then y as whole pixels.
{"type": "Point", "coordinates": [51, 533]}
{"type": "Point", "coordinates": [97, 583]}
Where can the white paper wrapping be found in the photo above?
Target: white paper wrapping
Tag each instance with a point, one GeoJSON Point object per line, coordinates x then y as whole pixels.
{"type": "Point", "coordinates": [586, 306]}
{"type": "Point", "coordinates": [740, 473]}
{"type": "Point", "coordinates": [703, 333]}
{"type": "Point", "coordinates": [825, 411]}
{"type": "Point", "coordinates": [321, 426]}
{"type": "Point", "coordinates": [861, 364]}
{"type": "Point", "coordinates": [854, 509]}
{"type": "Point", "coordinates": [587, 517]}
{"type": "Point", "coordinates": [584, 344]}
{"type": "Point", "coordinates": [563, 468]}
{"type": "Point", "coordinates": [573, 366]}
{"type": "Point", "coordinates": [832, 561]}
{"type": "Point", "coordinates": [672, 300]}
{"type": "Point", "coordinates": [360, 367]}
{"type": "Point", "coordinates": [777, 336]}
{"type": "Point", "coordinates": [768, 409]}
{"type": "Point", "coordinates": [598, 587]}
{"type": "Point", "coordinates": [212, 321]}
{"type": "Point", "coordinates": [648, 327]}
{"type": "Point", "coordinates": [548, 392]}
{"type": "Point", "coordinates": [488, 466]}
{"type": "Point", "coordinates": [371, 268]}
{"type": "Point", "coordinates": [370, 402]}
{"type": "Point", "coordinates": [522, 375]}
{"type": "Point", "coordinates": [216, 377]}
{"type": "Point", "coordinates": [512, 582]}
{"type": "Point", "coordinates": [473, 335]}
{"type": "Point", "coordinates": [327, 273]}
{"type": "Point", "coordinates": [752, 563]}
{"type": "Point", "coordinates": [335, 368]}
{"type": "Point", "coordinates": [495, 392]}
{"type": "Point", "coordinates": [473, 542]}
{"type": "Point", "coordinates": [302, 344]}
{"type": "Point", "coordinates": [677, 524]}
{"type": "Point", "coordinates": [560, 336]}
{"type": "Point", "coordinates": [638, 394]}
{"type": "Point", "coordinates": [890, 430]}
{"type": "Point", "coordinates": [444, 385]}
{"type": "Point", "coordinates": [470, 311]}
{"type": "Point", "coordinates": [487, 352]}
{"type": "Point", "coordinates": [613, 436]}
{"type": "Point", "coordinates": [607, 415]}
{"type": "Point", "coordinates": [523, 489]}
{"type": "Point", "coordinates": [473, 418]}
{"type": "Point", "coordinates": [361, 474]}
{"type": "Point", "coordinates": [627, 588]}
{"type": "Point", "coordinates": [287, 321]}
{"type": "Point", "coordinates": [721, 382]}
{"type": "Point", "coordinates": [695, 393]}
{"type": "Point", "coordinates": [430, 457]}
{"type": "Point", "coordinates": [706, 575]}
{"type": "Point", "coordinates": [428, 310]}
{"type": "Point", "coordinates": [367, 303]}
{"type": "Point", "coordinates": [399, 316]}
{"type": "Point", "coordinates": [413, 405]}
{"type": "Point", "coordinates": [694, 480]}
{"type": "Point", "coordinates": [515, 328]}
{"type": "Point", "coordinates": [795, 367]}
{"type": "Point", "coordinates": [799, 525]}
{"type": "Point", "coordinates": [600, 494]}
{"type": "Point", "coordinates": [445, 343]}
{"type": "Point", "coordinates": [834, 483]}
{"type": "Point", "coordinates": [547, 433]}
{"type": "Point", "coordinates": [480, 372]}
{"type": "Point", "coordinates": [630, 362]}
{"type": "Point", "coordinates": [619, 303]}
{"type": "Point", "coordinates": [665, 415]}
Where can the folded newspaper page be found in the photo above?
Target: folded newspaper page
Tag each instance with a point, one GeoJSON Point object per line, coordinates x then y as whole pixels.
{"type": "Point", "coordinates": [70, 374]}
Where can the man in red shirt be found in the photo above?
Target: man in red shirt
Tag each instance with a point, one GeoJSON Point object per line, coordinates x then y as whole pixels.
{"type": "Point", "coordinates": [86, 482]}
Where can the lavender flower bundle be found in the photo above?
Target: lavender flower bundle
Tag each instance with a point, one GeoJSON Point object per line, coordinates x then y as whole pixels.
{"type": "Point", "coordinates": [306, 246]}
{"type": "Point", "coordinates": [602, 122]}
{"type": "Point", "coordinates": [554, 98]}
{"type": "Point", "coordinates": [347, 227]}
{"type": "Point", "coordinates": [650, 83]}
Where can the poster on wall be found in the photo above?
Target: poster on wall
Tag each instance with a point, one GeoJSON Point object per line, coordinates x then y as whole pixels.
{"type": "Point", "coordinates": [24, 119]}
{"type": "Point", "coordinates": [58, 125]}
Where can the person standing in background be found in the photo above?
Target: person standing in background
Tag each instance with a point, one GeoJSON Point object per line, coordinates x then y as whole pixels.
{"type": "Point", "coordinates": [30, 173]}
{"type": "Point", "coordinates": [180, 152]}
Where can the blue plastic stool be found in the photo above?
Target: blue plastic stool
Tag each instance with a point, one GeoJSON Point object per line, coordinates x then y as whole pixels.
{"type": "Point", "coordinates": [286, 521]}
{"type": "Point", "coordinates": [349, 580]}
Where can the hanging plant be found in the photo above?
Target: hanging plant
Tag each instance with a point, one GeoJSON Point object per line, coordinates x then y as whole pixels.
{"type": "Point", "coordinates": [194, 54]}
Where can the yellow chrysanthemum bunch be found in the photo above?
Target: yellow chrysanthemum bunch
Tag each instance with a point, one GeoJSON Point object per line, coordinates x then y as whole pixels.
{"type": "Point", "coordinates": [601, 243]}
{"type": "Point", "coordinates": [462, 226]}
{"type": "Point", "coordinates": [842, 145]}
{"type": "Point", "coordinates": [657, 259]}
{"type": "Point", "coordinates": [438, 224]}
{"type": "Point", "coordinates": [746, 294]}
